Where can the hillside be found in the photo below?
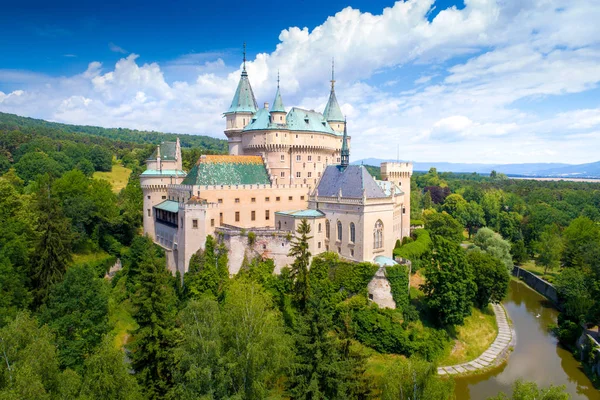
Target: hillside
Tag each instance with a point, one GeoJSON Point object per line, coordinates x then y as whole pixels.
{"type": "Point", "coordinates": [11, 122]}
{"type": "Point", "coordinates": [590, 170]}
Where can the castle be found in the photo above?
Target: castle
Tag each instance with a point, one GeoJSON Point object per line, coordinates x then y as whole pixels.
{"type": "Point", "coordinates": [283, 167]}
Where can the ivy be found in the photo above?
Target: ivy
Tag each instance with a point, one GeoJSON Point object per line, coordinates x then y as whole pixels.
{"type": "Point", "coordinates": [397, 276]}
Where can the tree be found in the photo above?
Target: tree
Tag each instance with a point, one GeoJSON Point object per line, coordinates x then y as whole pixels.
{"type": "Point", "coordinates": [491, 278]}
{"type": "Point", "coordinates": [493, 244]}
{"type": "Point", "coordinates": [530, 390]}
{"type": "Point", "coordinates": [427, 201]}
{"type": "Point", "coordinates": [299, 268]}
{"type": "Point", "coordinates": [156, 309]}
{"type": "Point", "coordinates": [549, 248]}
{"type": "Point", "coordinates": [106, 375]}
{"type": "Point", "coordinates": [437, 193]}
{"type": "Point", "coordinates": [491, 203]}
{"type": "Point", "coordinates": [29, 363]}
{"type": "Point", "coordinates": [582, 243]}
{"type": "Point", "coordinates": [473, 217]}
{"type": "Point", "coordinates": [32, 165]}
{"type": "Point", "coordinates": [509, 226]}
{"type": "Point", "coordinates": [575, 290]}
{"type": "Point", "coordinates": [443, 225]}
{"type": "Point", "coordinates": [408, 379]}
{"type": "Point", "coordinates": [53, 249]}
{"type": "Point", "coordinates": [455, 205]}
{"type": "Point", "coordinates": [449, 283]}
{"type": "Point", "coordinates": [77, 310]}
{"type": "Point", "coordinates": [208, 271]}
{"type": "Point", "coordinates": [101, 158]}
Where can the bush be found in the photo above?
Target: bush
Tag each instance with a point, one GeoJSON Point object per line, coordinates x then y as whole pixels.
{"type": "Point", "coordinates": [417, 250]}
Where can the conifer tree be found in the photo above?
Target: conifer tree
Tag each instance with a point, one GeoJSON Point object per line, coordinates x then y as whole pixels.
{"type": "Point", "coordinates": [299, 268]}
{"type": "Point", "coordinates": [156, 336]}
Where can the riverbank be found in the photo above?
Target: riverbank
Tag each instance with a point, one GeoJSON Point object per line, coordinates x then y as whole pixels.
{"type": "Point", "coordinates": [493, 355]}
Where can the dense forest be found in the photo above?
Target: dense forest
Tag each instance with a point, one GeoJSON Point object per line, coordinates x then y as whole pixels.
{"type": "Point", "coordinates": [69, 331]}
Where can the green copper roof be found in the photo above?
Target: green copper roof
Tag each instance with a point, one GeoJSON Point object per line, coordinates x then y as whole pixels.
{"type": "Point", "coordinates": [228, 170]}
{"type": "Point", "coordinates": [168, 205]}
{"type": "Point", "coordinates": [278, 103]}
{"type": "Point", "coordinates": [302, 213]}
{"type": "Point", "coordinates": [244, 100]}
{"type": "Point", "coordinates": [333, 112]}
{"type": "Point", "coordinates": [167, 172]}
{"type": "Point", "coordinates": [297, 119]}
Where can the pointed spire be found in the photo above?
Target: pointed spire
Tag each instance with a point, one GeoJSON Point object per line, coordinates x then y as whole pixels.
{"type": "Point", "coordinates": [243, 100]}
{"type": "Point", "coordinates": [278, 103]}
{"type": "Point", "coordinates": [332, 110]}
{"type": "Point", "coordinates": [345, 153]}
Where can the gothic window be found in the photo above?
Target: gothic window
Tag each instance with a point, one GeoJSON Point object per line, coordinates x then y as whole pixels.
{"type": "Point", "coordinates": [339, 231]}
{"type": "Point", "coordinates": [327, 229]}
{"type": "Point", "coordinates": [352, 233]}
{"type": "Point", "coordinates": [378, 235]}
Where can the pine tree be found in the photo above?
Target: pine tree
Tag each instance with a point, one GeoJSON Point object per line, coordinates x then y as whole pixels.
{"type": "Point", "coordinates": [299, 268]}
{"type": "Point", "coordinates": [156, 336]}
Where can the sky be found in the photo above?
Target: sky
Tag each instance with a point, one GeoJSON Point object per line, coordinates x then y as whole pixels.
{"type": "Point", "coordinates": [487, 81]}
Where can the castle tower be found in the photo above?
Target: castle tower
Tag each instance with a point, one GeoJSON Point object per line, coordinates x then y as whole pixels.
{"type": "Point", "coordinates": [400, 173]}
{"type": "Point", "coordinates": [243, 107]}
{"type": "Point", "coordinates": [333, 113]}
{"type": "Point", "coordinates": [278, 112]}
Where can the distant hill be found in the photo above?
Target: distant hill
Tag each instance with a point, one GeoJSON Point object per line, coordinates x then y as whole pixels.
{"type": "Point", "coordinates": [11, 122]}
{"type": "Point", "coordinates": [590, 170]}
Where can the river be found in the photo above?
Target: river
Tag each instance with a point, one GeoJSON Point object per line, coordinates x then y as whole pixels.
{"type": "Point", "coordinates": [537, 355]}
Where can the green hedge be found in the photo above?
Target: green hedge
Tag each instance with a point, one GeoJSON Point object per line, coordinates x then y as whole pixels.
{"type": "Point", "coordinates": [397, 276]}
{"type": "Point", "coordinates": [415, 251]}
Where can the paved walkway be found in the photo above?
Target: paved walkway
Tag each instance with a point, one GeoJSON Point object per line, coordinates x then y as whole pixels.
{"type": "Point", "coordinates": [502, 342]}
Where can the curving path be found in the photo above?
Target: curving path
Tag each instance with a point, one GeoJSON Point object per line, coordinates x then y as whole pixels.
{"type": "Point", "coordinates": [492, 354]}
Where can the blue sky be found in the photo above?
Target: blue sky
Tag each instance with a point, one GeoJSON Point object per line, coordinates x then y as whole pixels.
{"type": "Point", "coordinates": [479, 81]}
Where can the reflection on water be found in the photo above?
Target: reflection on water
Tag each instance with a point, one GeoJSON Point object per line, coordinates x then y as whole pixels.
{"type": "Point", "coordinates": [536, 357]}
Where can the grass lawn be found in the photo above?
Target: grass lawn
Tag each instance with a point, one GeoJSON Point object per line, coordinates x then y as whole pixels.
{"type": "Point", "coordinates": [118, 177]}
{"type": "Point", "coordinates": [532, 267]}
{"type": "Point", "coordinates": [473, 338]}
{"type": "Point", "coordinates": [120, 315]}
{"type": "Point", "coordinates": [90, 258]}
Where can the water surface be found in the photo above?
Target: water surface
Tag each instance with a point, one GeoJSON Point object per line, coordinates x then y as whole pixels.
{"type": "Point", "coordinates": [537, 355]}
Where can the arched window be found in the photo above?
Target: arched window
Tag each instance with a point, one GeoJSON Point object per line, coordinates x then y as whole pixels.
{"type": "Point", "coordinates": [279, 225]}
{"type": "Point", "coordinates": [378, 235]}
{"type": "Point", "coordinates": [339, 231]}
{"type": "Point", "coordinates": [327, 229]}
{"type": "Point", "coordinates": [352, 232]}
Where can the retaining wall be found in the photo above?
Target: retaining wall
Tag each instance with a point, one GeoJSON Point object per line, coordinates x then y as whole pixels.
{"type": "Point", "coordinates": [538, 284]}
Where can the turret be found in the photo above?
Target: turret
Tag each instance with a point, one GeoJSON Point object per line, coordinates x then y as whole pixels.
{"type": "Point", "coordinates": [333, 112]}
{"type": "Point", "coordinates": [243, 107]}
{"type": "Point", "coordinates": [278, 113]}
{"type": "Point", "coordinates": [158, 163]}
{"type": "Point", "coordinates": [345, 152]}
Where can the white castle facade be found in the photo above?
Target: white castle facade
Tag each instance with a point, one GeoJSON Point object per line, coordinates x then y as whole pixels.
{"type": "Point", "coordinates": [283, 167]}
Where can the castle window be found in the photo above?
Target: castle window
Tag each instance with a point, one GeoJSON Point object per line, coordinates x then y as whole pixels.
{"type": "Point", "coordinates": [298, 157]}
{"type": "Point", "coordinates": [318, 158]}
{"type": "Point", "coordinates": [212, 222]}
{"type": "Point", "coordinates": [298, 174]}
{"type": "Point", "coordinates": [267, 199]}
{"type": "Point", "coordinates": [378, 235]}
{"type": "Point", "coordinates": [403, 210]}
{"type": "Point", "coordinates": [220, 201]}
{"type": "Point", "coordinates": [149, 212]}
{"type": "Point", "coordinates": [237, 216]}
{"type": "Point", "coordinates": [352, 233]}
{"type": "Point", "coordinates": [282, 157]}
{"type": "Point", "coordinates": [339, 159]}
{"type": "Point", "coordinates": [282, 174]}
{"type": "Point", "coordinates": [267, 215]}
{"type": "Point", "coordinates": [319, 227]}
{"type": "Point", "coordinates": [244, 121]}
{"type": "Point", "coordinates": [304, 165]}
{"type": "Point", "coordinates": [310, 157]}
{"type": "Point", "coordinates": [237, 200]}
{"type": "Point", "coordinates": [281, 117]}
{"type": "Point", "coordinates": [301, 197]}
{"type": "Point", "coordinates": [339, 250]}
{"type": "Point", "coordinates": [279, 225]}
{"type": "Point", "coordinates": [276, 134]}
{"type": "Point", "coordinates": [339, 231]}
{"type": "Point", "coordinates": [290, 198]}
{"type": "Point", "coordinates": [253, 215]}
{"type": "Point", "coordinates": [253, 199]}
{"type": "Point", "coordinates": [164, 197]}
{"type": "Point", "coordinates": [220, 219]}
{"type": "Point", "coordinates": [352, 252]}
{"type": "Point", "coordinates": [327, 248]}
{"type": "Point", "coordinates": [319, 245]}
{"type": "Point", "coordinates": [277, 198]}
{"type": "Point", "coordinates": [327, 229]}
{"type": "Point", "coordinates": [195, 223]}
{"type": "Point", "coordinates": [148, 197]}
{"type": "Point", "coordinates": [296, 136]}
{"type": "Point", "coordinates": [310, 174]}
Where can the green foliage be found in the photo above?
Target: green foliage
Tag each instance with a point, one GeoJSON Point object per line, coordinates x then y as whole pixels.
{"type": "Point", "coordinates": [491, 278]}
{"type": "Point", "coordinates": [106, 375]}
{"type": "Point", "coordinates": [251, 238]}
{"type": "Point", "coordinates": [237, 349]}
{"type": "Point", "coordinates": [417, 250]}
{"type": "Point", "coordinates": [582, 237]}
{"type": "Point", "coordinates": [530, 390]}
{"type": "Point", "coordinates": [493, 244]}
{"type": "Point", "coordinates": [77, 310]}
{"type": "Point", "coordinates": [155, 312]}
{"type": "Point", "coordinates": [408, 379]}
{"type": "Point", "coordinates": [443, 225]}
{"type": "Point", "coordinates": [549, 248]}
{"type": "Point", "coordinates": [101, 158]}
{"type": "Point", "coordinates": [576, 290]}
{"type": "Point", "coordinates": [32, 165]}
{"type": "Point", "coordinates": [208, 270]}
{"type": "Point", "coordinates": [347, 277]}
{"type": "Point", "coordinates": [299, 268]}
{"type": "Point", "coordinates": [450, 284]}
{"type": "Point", "coordinates": [397, 276]}
{"type": "Point", "coordinates": [567, 331]}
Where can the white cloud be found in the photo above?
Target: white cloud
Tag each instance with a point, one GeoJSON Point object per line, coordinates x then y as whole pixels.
{"type": "Point", "coordinates": [116, 49]}
{"type": "Point", "coordinates": [508, 51]}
